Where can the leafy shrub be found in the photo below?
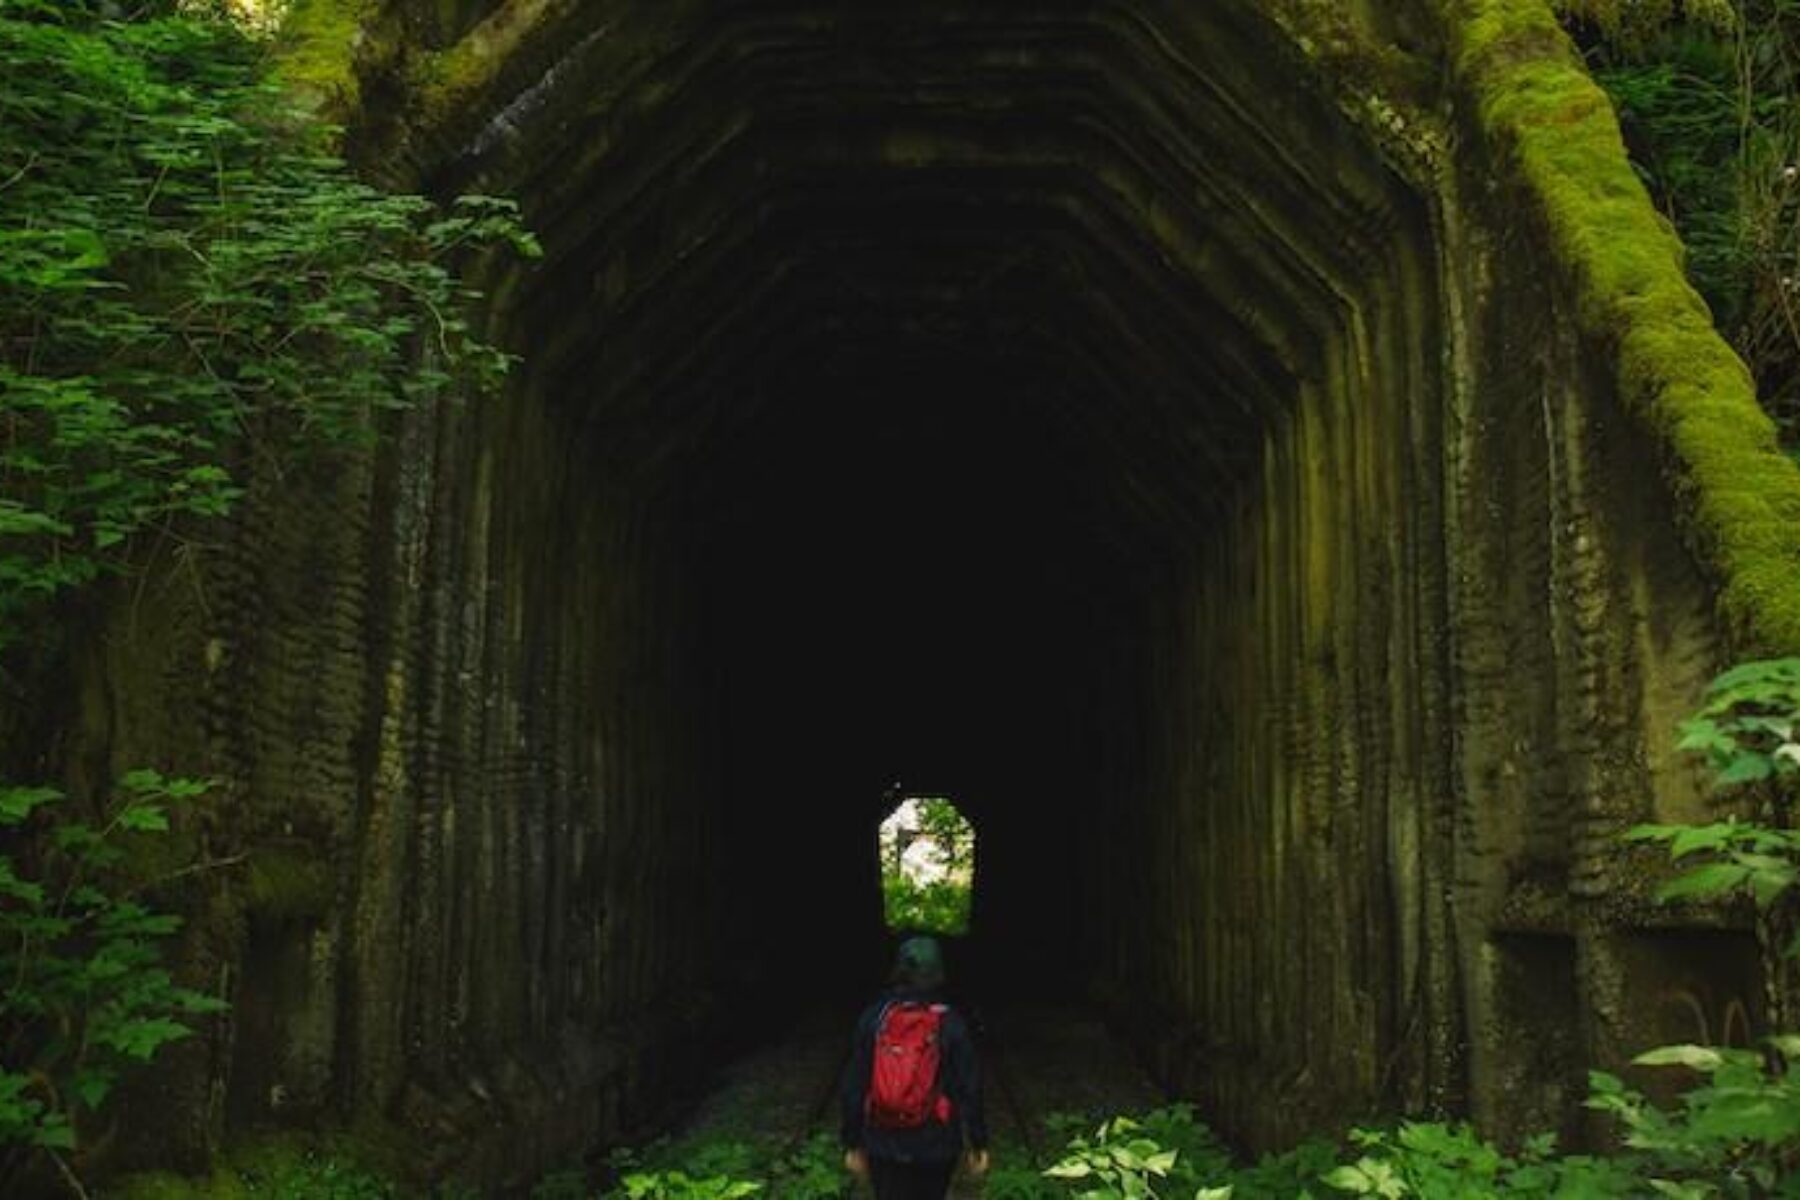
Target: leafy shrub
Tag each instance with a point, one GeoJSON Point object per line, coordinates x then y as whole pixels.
{"type": "Point", "coordinates": [322, 1179]}
{"type": "Point", "coordinates": [1432, 1159]}
{"type": "Point", "coordinates": [1014, 1176]}
{"type": "Point", "coordinates": [811, 1171]}
{"type": "Point", "coordinates": [940, 907]}
{"type": "Point", "coordinates": [1737, 1134]}
{"type": "Point", "coordinates": [1119, 1161]}
{"type": "Point", "coordinates": [86, 994]}
{"type": "Point", "coordinates": [1295, 1172]}
{"type": "Point", "coordinates": [1745, 726]}
{"type": "Point", "coordinates": [679, 1185]}
{"type": "Point", "coordinates": [188, 279]}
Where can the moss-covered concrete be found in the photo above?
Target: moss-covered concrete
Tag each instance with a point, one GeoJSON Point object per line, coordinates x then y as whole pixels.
{"type": "Point", "coordinates": [1538, 106]}
{"type": "Point", "coordinates": [323, 48]}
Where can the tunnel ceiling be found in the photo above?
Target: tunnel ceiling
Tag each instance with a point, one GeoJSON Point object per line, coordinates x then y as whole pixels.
{"type": "Point", "coordinates": [1093, 239]}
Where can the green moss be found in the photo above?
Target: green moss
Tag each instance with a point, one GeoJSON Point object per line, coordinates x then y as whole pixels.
{"type": "Point", "coordinates": [1336, 39]}
{"type": "Point", "coordinates": [319, 47]}
{"type": "Point", "coordinates": [288, 883]}
{"type": "Point", "coordinates": [1531, 94]}
{"type": "Point", "coordinates": [446, 81]}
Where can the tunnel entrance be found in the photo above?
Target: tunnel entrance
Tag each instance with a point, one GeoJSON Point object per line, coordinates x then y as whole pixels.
{"type": "Point", "coordinates": [1012, 397]}
{"type": "Point", "coordinates": [926, 849]}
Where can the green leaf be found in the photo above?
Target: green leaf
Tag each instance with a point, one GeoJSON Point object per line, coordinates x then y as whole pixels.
{"type": "Point", "coordinates": [1711, 880]}
{"type": "Point", "coordinates": [18, 521]}
{"type": "Point", "coordinates": [144, 818]}
{"type": "Point", "coordinates": [1688, 839]}
{"type": "Point", "coordinates": [1755, 674]}
{"type": "Point", "coordinates": [1748, 767]}
{"type": "Point", "coordinates": [1704, 736]}
{"type": "Point", "coordinates": [55, 1134]}
{"type": "Point", "coordinates": [1350, 1179]}
{"type": "Point", "coordinates": [142, 781]}
{"type": "Point", "coordinates": [18, 803]}
{"type": "Point", "coordinates": [93, 1087]}
{"type": "Point", "coordinates": [28, 892]}
{"type": "Point", "coordinates": [1682, 1191]}
{"type": "Point", "coordinates": [140, 1039]}
{"type": "Point", "coordinates": [1700, 1058]}
{"type": "Point", "coordinates": [1769, 879]}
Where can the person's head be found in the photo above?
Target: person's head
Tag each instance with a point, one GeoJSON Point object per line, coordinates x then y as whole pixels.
{"type": "Point", "coordinates": [919, 964]}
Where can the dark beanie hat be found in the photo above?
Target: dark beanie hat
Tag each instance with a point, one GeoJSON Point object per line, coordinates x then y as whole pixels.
{"type": "Point", "coordinates": [919, 962]}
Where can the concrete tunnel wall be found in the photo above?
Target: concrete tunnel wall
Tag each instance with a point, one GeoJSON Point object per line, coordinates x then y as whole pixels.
{"type": "Point", "coordinates": [1190, 435]}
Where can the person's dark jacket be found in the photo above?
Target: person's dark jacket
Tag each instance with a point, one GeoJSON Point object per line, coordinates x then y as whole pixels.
{"type": "Point", "coordinates": [959, 1077]}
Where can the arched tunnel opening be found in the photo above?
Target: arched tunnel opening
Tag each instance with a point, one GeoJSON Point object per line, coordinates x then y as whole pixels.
{"type": "Point", "coordinates": [1025, 402]}
{"type": "Point", "coordinates": [1189, 435]}
{"type": "Point", "coordinates": [927, 852]}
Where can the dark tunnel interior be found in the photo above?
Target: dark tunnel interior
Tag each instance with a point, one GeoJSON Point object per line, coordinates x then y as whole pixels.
{"type": "Point", "coordinates": [906, 587]}
{"type": "Point", "coordinates": [912, 479]}
{"type": "Point", "coordinates": [923, 467]}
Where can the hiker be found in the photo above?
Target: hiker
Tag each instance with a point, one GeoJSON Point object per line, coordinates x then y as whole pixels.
{"type": "Point", "coordinates": [912, 1091]}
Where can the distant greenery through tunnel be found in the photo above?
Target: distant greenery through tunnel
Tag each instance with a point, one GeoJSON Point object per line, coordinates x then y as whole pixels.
{"type": "Point", "coordinates": [926, 849]}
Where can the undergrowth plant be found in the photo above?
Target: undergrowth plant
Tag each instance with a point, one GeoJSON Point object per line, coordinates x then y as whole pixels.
{"type": "Point", "coordinates": [84, 992]}
{"type": "Point", "coordinates": [1115, 1162]}
{"type": "Point", "coordinates": [192, 287]}
{"type": "Point", "coordinates": [1433, 1159]}
{"type": "Point", "coordinates": [708, 1168]}
{"type": "Point", "coordinates": [679, 1185]}
{"type": "Point", "coordinates": [189, 281]}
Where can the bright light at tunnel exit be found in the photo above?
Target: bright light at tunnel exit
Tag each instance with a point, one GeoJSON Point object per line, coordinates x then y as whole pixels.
{"type": "Point", "coordinates": [926, 850]}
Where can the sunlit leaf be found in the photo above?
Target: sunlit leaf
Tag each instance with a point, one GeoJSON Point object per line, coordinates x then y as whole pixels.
{"type": "Point", "coordinates": [1711, 880]}
{"type": "Point", "coordinates": [1700, 1058]}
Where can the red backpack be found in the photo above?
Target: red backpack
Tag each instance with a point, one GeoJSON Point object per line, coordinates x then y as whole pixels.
{"type": "Point", "coordinates": [903, 1083]}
